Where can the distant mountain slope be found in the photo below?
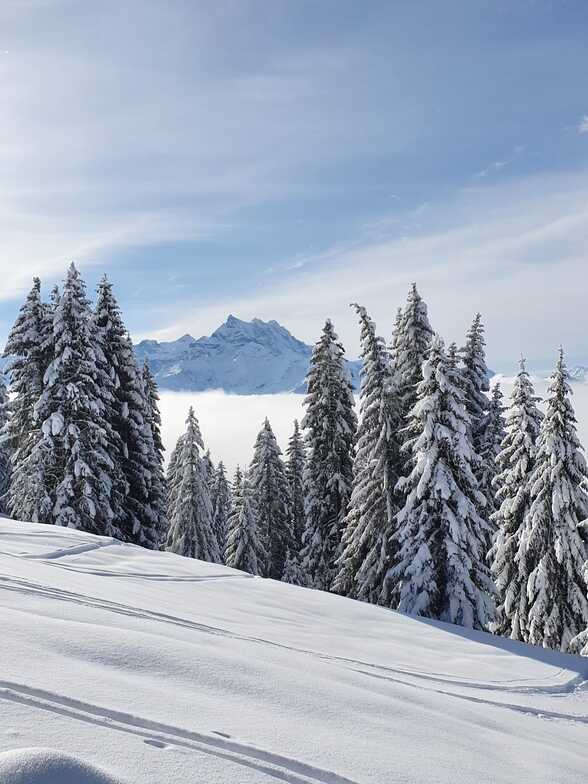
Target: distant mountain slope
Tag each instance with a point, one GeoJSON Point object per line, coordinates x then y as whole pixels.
{"type": "Point", "coordinates": [243, 357]}
{"type": "Point", "coordinates": [579, 373]}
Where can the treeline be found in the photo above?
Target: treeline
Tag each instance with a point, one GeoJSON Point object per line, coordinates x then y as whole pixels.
{"type": "Point", "coordinates": [81, 437]}
{"type": "Point", "coordinates": [438, 501]}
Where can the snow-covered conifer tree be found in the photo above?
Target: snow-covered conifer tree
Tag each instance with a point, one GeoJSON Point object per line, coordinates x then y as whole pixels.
{"type": "Point", "coordinates": [515, 462]}
{"type": "Point", "coordinates": [190, 508]}
{"type": "Point", "coordinates": [330, 422]}
{"type": "Point", "coordinates": [490, 446]}
{"type": "Point", "coordinates": [157, 488]}
{"type": "Point", "coordinates": [396, 332]}
{"type": "Point", "coordinates": [108, 328]}
{"type": "Point", "coordinates": [412, 340]}
{"type": "Point", "coordinates": [152, 395]}
{"type": "Point", "coordinates": [5, 451]}
{"type": "Point", "coordinates": [209, 470]}
{"type": "Point", "coordinates": [269, 484]}
{"type": "Point", "coordinates": [71, 408]}
{"type": "Point", "coordinates": [453, 356]}
{"type": "Point", "coordinates": [140, 513]}
{"type": "Point", "coordinates": [296, 460]}
{"type": "Point", "coordinates": [29, 353]}
{"type": "Point", "coordinates": [368, 537]}
{"type": "Point", "coordinates": [475, 380]}
{"type": "Point", "coordinates": [221, 506]}
{"type": "Point", "coordinates": [236, 487]}
{"type": "Point", "coordinates": [293, 573]}
{"type": "Point", "coordinates": [440, 569]}
{"type": "Point", "coordinates": [552, 552]}
{"type": "Point", "coordinates": [244, 548]}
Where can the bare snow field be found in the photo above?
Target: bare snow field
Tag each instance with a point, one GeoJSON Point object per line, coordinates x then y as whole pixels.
{"type": "Point", "coordinates": [230, 423]}
{"type": "Point", "coordinates": [158, 669]}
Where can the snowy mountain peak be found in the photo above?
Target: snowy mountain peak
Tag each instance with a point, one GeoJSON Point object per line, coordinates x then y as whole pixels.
{"type": "Point", "coordinates": [243, 357]}
{"type": "Point", "coordinates": [579, 373]}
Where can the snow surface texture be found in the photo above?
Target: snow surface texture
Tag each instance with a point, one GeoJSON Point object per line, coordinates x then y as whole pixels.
{"type": "Point", "coordinates": [243, 357]}
{"type": "Point", "coordinates": [44, 766]}
{"type": "Point", "coordinates": [158, 668]}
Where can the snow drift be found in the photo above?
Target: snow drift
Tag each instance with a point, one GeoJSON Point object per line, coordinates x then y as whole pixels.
{"type": "Point", "coordinates": [157, 668]}
{"type": "Point", "coordinates": [45, 766]}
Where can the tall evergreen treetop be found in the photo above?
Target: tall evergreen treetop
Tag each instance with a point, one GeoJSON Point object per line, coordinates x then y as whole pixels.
{"type": "Point", "coordinates": [190, 508]}
{"type": "Point", "coordinates": [368, 537]}
{"type": "Point", "coordinates": [515, 462]}
{"type": "Point", "coordinates": [491, 440]}
{"type": "Point", "coordinates": [154, 415]}
{"type": "Point", "coordinates": [75, 436]}
{"type": "Point", "coordinates": [412, 346]}
{"type": "Point", "coordinates": [157, 482]}
{"type": "Point", "coordinates": [331, 423]}
{"type": "Point", "coordinates": [5, 449]}
{"type": "Point", "coordinates": [475, 376]}
{"type": "Point", "coordinates": [221, 506]}
{"type": "Point", "coordinates": [236, 484]}
{"type": "Point", "coordinates": [269, 485]}
{"type": "Point", "coordinates": [396, 332]}
{"type": "Point", "coordinates": [30, 352]}
{"type": "Point", "coordinates": [295, 466]}
{"type": "Point", "coordinates": [245, 545]}
{"type": "Point", "coordinates": [440, 568]}
{"type": "Point", "coordinates": [552, 552]}
{"type": "Point", "coordinates": [141, 521]}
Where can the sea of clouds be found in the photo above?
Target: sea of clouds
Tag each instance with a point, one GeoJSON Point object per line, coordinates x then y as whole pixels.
{"type": "Point", "coordinates": [230, 423]}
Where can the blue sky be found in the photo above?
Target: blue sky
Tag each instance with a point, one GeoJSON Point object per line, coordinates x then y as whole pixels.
{"type": "Point", "coordinates": [280, 159]}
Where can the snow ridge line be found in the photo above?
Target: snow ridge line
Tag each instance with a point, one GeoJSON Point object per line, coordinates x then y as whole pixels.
{"type": "Point", "coordinates": [26, 587]}
{"type": "Point", "coordinates": [160, 735]}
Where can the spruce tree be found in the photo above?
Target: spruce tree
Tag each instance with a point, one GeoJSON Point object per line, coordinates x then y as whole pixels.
{"type": "Point", "coordinates": [236, 484]}
{"type": "Point", "coordinates": [331, 423]}
{"type": "Point", "coordinates": [552, 552]}
{"type": "Point", "coordinates": [75, 436]}
{"type": "Point", "coordinates": [440, 570]}
{"type": "Point", "coordinates": [221, 506]}
{"type": "Point", "coordinates": [190, 508]}
{"type": "Point", "coordinates": [157, 489]}
{"type": "Point", "coordinates": [5, 451]}
{"type": "Point", "coordinates": [269, 485]}
{"type": "Point", "coordinates": [29, 350]}
{"type": "Point", "coordinates": [142, 508]}
{"type": "Point", "coordinates": [245, 549]}
{"type": "Point", "coordinates": [152, 395]}
{"type": "Point", "coordinates": [515, 462]}
{"type": "Point", "coordinates": [295, 465]}
{"type": "Point", "coordinates": [293, 573]}
{"type": "Point", "coordinates": [108, 327]}
{"type": "Point", "coordinates": [475, 379]}
{"type": "Point", "coordinates": [209, 470]}
{"type": "Point", "coordinates": [490, 446]}
{"type": "Point", "coordinates": [396, 332]}
{"type": "Point", "coordinates": [368, 537]}
{"type": "Point", "coordinates": [235, 506]}
{"type": "Point", "coordinates": [411, 342]}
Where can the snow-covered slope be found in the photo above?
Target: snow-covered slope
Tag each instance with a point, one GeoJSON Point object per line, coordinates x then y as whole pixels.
{"type": "Point", "coordinates": [155, 668]}
{"type": "Point", "coordinates": [256, 357]}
